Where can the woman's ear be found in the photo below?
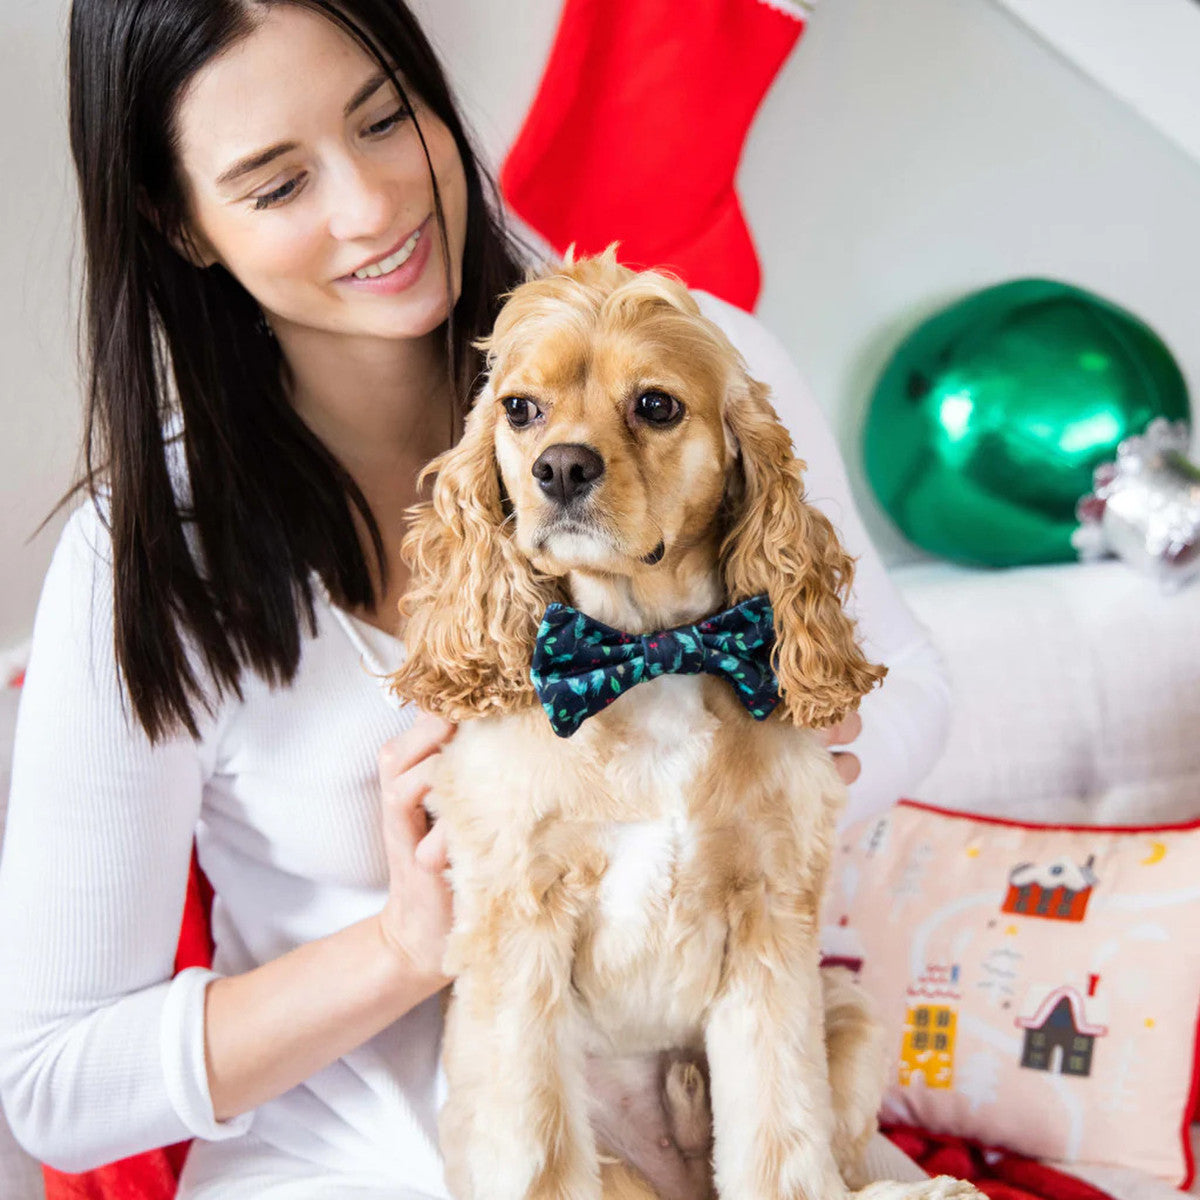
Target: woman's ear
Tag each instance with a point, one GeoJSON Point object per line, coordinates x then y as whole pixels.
{"type": "Point", "coordinates": [780, 545]}
{"type": "Point", "coordinates": [474, 603]}
{"type": "Point", "coordinates": [188, 243]}
{"type": "Point", "coordinates": [193, 247]}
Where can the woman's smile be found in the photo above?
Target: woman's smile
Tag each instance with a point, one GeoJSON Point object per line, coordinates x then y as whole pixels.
{"type": "Point", "coordinates": [396, 270]}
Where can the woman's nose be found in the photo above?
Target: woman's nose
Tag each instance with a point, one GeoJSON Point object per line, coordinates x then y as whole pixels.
{"type": "Point", "coordinates": [360, 204]}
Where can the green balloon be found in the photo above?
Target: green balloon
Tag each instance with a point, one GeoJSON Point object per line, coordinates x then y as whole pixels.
{"type": "Point", "coordinates": [985, 427]}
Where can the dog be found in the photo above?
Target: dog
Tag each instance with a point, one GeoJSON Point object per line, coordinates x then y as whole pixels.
{"type": "Point", "coordinates": [647, 879]}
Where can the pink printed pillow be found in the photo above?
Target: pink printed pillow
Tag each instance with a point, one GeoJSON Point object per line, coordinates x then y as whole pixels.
{"type": "Point", "coordinates": [1040, 984]}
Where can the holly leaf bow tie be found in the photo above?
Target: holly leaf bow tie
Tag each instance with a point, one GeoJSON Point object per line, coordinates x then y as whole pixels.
{"type": "Point", "coordinates": [581, 665]}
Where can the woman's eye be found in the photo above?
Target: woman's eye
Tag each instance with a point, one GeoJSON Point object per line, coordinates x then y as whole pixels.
{"type": "Point", "coordinates": [658, 408]}
{"type": "Point", "coordinates": [520, 410]}
{"type": "Point", "coordinates": [389, 122]}
{"type": "Point", "coordinates": [283, 192]}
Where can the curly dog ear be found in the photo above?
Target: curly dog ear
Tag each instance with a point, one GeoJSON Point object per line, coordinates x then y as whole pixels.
{"type": "Point", "coordinates": [780, 545]}
{"type": "Point", "coordinates": [474, 603]}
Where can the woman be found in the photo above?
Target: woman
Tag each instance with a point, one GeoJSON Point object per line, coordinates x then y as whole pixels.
{"type": "Point", "coordinates": [290, 250]}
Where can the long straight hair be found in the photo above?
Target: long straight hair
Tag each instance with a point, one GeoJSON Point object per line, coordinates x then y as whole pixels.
{"type": "Point", "coordinates": [220, 501]}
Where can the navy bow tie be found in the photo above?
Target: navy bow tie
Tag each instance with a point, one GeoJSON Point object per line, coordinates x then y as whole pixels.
{"type": "Point", "coordinates": [581, 666]}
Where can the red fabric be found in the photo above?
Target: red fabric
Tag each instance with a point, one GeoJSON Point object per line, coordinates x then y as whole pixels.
{"type": "Point", "coordinates": [150, 1176]}
{"type": "Point", "coordinates": [1193, 1111]}
{"type": "Point", "coordinates": [998, 1174]}
{"type": "Point", "coordinates": [1040, 1180]}
{"type": "Point", "coordinates": [993, 1189]}
{"type": "Point", "coordinates": [155, 1174]}
{"type": "Point", "coordinates": [637, 129]}
{"type": "Point", "coordinates": [1008, 823]}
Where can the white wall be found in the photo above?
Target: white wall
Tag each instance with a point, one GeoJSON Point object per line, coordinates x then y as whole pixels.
{"type": "Point", "coordinates": [907, 154]}
{"type": "Point", "coordinates": [38, 390]}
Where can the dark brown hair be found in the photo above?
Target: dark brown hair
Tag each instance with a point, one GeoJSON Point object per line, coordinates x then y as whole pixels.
{"type": "Point", "coordinates": [214, 550]}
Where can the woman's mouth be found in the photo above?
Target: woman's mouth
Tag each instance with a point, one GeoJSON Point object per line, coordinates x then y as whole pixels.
{"type": "Point", "coordinates": [398, 269]}
{"type": "Point", "coordinates": [385, 266]}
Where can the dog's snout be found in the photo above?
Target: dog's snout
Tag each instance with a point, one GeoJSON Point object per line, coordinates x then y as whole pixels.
{"type": "Point", "coordinates": [567, 470]}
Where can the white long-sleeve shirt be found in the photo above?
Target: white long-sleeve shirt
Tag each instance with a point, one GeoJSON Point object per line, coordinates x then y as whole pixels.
{"type": "Point", "coordinates": [101, 1051]}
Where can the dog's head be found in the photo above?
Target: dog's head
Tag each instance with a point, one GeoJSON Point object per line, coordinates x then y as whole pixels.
{"type": "Point", "coordinates": [618, 434]}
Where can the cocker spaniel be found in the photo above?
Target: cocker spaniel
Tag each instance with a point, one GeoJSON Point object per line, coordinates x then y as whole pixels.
{"type": "Point", "coordinates": [638, 854]}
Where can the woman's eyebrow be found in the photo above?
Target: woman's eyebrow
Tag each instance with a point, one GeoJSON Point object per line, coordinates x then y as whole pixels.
{"type": "Point", "coordinates": [365, 92]}
{"type": "Point", "coordinates": [252, 162]}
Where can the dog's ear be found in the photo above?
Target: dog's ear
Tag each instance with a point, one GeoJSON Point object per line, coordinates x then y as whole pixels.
{"type": "Point", "coordinates": [780, 545]}
{"type": "Point", "coordinates": [474, 603]}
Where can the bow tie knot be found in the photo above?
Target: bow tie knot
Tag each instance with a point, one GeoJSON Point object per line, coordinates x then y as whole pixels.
{"type": "Point", "coordinates": [672, 652]}
{"type": "Point", "coordinates": [581, 665]}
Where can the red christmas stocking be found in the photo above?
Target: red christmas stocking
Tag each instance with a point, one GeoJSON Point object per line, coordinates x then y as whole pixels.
{"type": "Point", "coordinates": [637, 129]}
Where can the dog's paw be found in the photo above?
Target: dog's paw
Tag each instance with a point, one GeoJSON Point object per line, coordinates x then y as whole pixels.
{"type": "Point", "coordinates": [941, 1187]}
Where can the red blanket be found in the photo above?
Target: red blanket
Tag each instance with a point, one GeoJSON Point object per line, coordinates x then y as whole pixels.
{"type": "Point", "coordinates": [998, 1174]}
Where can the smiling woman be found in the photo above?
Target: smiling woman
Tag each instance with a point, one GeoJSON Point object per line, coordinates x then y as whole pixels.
{"type": "Point", "coordinates": [255, 162]}
{"type": "Point", "coordinates": [290, 251]}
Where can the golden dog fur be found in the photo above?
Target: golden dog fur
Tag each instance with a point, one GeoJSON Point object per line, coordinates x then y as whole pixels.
{"type": "Point", "coordinates": [655, 880]}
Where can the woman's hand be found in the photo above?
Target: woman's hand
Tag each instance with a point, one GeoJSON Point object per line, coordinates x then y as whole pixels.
{"type": "Point", "coordinates": [842, 734]}
{"type": "Point", "coordinates": [416, 918]}
{"type": "Point", "coordinates": [271, 1028]}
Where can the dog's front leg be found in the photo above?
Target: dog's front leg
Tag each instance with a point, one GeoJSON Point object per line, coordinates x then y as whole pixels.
{"type": "Point", "coordinates": [515, 1125]}
{"type": "Point", "coordinates": [765, 1036]}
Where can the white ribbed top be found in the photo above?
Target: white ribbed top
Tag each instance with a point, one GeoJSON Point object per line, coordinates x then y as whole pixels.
{"type": "Point", "coordinates": [101, 1052]}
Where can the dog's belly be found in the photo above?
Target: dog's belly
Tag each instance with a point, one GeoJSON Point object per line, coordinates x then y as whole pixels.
{"type": "Point", "coordinates": [649, 959]}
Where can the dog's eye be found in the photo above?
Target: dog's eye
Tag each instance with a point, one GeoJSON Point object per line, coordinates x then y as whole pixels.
{"type": "Point", "coordinates": [658, 408]}
{"type": "Point", "coordinates": [520, 410]}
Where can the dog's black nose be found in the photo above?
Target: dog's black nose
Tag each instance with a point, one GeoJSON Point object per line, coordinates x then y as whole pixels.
{"type": "Point", "coordinates": [567, 471]}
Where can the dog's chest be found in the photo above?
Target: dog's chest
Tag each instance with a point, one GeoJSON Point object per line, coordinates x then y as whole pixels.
{"type": "Point", "coordinates": [644, 858]}
{"type": "Point", "coordinates": [669, 739]}
{"type": "Point", "coordinates": [648, 946]}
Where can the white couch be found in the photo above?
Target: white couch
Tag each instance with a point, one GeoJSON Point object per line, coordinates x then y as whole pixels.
{"type": "Point", "coordinates": [1077, 698]}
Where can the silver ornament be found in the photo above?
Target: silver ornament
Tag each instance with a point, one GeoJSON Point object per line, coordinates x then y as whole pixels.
{"type": "Point", "coordinates": [1145, 506]}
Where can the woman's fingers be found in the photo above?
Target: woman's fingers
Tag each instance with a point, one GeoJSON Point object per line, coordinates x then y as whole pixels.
{"type": "Point", "coordinates": [406, 769]}
{"type": "Point", "coordinates": [844, 732]}
{"type": "Point", "coordinates": [847, 766]}
{"type": "Point", "coordinates": [426, 735]}
{"type": "Point", "coordinates": [431, 850]}
{"type": "Point", "coordinates": [404, 812]}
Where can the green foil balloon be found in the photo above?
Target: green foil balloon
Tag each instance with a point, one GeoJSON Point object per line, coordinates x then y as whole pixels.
{"type": "Point", "coordinates": [985, 428]}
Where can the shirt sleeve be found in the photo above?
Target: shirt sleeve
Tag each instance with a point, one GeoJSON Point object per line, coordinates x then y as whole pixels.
{"type": "Point", "coordinates": [906, 719]}
{"type": "Point", "coordinates": [101, 1050]}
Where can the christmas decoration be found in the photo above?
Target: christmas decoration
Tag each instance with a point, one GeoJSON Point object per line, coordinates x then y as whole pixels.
{"type": "Point", "coordinates": [637, 129]}
{"type": "Point", "coordinates": [986, 426]}
{"type": "Point", "coordinates": [1145, 506]}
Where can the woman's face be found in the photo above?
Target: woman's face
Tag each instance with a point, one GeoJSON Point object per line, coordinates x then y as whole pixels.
{"type": "Point", "coordinates": [306, 180]}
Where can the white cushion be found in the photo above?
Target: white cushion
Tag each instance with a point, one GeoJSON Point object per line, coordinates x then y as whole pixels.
{"type": "Point", "coordinates": [1077, 692]}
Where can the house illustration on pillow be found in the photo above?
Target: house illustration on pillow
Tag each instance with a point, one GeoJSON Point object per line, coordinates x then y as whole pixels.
{"type": "Point", "coordinates": [1061, 1027]}
{"type": "Point", "coordinates": [1058, 890]}
{"type": "Point", "coordinates": [930, 1028]}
